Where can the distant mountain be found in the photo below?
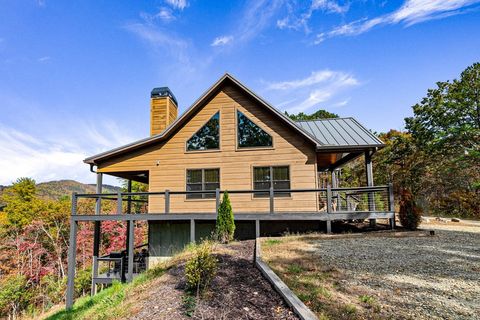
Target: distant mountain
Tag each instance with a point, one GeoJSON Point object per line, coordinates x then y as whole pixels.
{"type": "Point", "coordinates": [58, 189]}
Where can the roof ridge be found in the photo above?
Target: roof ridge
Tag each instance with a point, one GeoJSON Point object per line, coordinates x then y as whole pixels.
{"type": "Point", "coordinates": [325, 119]}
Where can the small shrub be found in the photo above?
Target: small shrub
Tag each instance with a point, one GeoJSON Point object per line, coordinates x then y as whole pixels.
{"type": "Point", "coordinates": [410, 214]}
{"type": "Point", "coordinates": [189, 304]}
{"type": "Point", "coordinates": [350, 309]}
{"type": "Point", "coordinates": [225, 225]}
{"type": "Point", "coordinates": [200, 268]}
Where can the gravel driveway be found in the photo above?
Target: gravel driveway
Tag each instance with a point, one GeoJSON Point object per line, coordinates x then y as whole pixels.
{"type": "Point", "coordinates": [415, 277]}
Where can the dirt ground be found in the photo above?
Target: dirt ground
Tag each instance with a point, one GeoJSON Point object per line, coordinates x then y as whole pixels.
{"type": "Point", "coordinates": [375, 277]}
{"type": "Point", "coordinates": [237, 292]}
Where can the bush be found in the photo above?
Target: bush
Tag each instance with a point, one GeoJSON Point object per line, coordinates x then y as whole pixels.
{"type": "Point", "coordinates": [410, 214]}
{"type": "Point", "coordinates": [200, 268]}
{"type": "Point", "coordinates": [225, 225]}
{"type": "Point", "coordinates": [14, 295]}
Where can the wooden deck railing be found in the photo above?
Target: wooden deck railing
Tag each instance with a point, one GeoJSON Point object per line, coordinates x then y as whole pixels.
{"type": "Point", "coordinates": [329, 200]}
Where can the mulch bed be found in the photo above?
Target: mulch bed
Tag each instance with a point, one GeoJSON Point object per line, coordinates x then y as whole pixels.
{"type": "Point", "coordinates": [238, 291]}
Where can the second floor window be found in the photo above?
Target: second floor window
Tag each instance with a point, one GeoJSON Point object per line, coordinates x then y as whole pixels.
{"type": "Point", "coordinates": [277, 177]}
{"type": "Point", "coordinates": [249, 135]}
{"type": "Point", "coordinates": [208, 137]}
{"type": "Point", "coordinates": [202, 180]}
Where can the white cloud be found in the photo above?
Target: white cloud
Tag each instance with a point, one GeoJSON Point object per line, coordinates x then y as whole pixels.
{"type": "Point", "coordinates": [319, 87]}
{"type": "Point", "coordinates": [58, 156]}
{"type": "Point", "coordinates": [175, 47]}
{"type": "Point", "coordinates": [164, 14]}
{"type": "Point", "coordinates": [256, 17]}
{"type": "Point", "coordinates": [221, 41]}
{"type": "Point", "coordinates": [178, 4]}
{"type": "Point", "coordinates": [410, 13]}
{"type": "Point", "coordinates": [299, 20]}
{"type": "Point", "coordinates": [43, 59]}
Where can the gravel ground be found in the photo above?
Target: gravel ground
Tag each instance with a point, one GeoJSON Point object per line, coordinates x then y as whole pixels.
{"type": "Point", "coordinates": [415, 277]}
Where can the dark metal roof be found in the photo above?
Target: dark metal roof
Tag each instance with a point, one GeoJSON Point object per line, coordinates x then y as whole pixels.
{"type": "Point", "coordinates": [340, 132]}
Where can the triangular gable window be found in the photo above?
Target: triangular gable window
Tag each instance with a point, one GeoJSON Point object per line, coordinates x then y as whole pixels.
{"type": "Point", "coordinates": [250, 135]}
{"type": "Point", "coordinates": [208, 137]}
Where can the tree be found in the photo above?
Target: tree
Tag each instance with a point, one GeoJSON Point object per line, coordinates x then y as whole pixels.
{"type": "Point", "coordinates": [319, 114]}
{"type": "Point", "coordinates": [14, 295]}
{"type": "Point", "coordinates": [225, 225]}
{"type": "Point", "coordinates": [445, 127]}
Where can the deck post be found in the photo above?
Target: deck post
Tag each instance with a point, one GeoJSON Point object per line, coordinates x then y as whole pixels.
{"type": "Point", "coordinates": [96, 233]}
{"type": "Point", "coordinates": [217, 200]}
{"type": "Point", "coordinates": [272, 203]}
{"type": "Point", "coordinates": [130, 251]}
{"type": "Point", "coordinates": [391, 202]}
{"type": "Point", "coordinates": [167, 201]}
{"type": "Point", "coordinates": [329, 208]}
{"type": "Point", "coordinates": [257, 228]}
{"type": "Point", "coordinates": [119, 203]}
{"type": "Point", "coordinates": [192, 230]}
{"type": "Point", "coordinates": [369, 176]}
{"type": "Point", "coordinates": [129, 211]}
{"type": "Point", "coordinates": [72, 253]}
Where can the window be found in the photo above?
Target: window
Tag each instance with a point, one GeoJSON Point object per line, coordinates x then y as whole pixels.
{"type": "Point", "coordinates": [249, 135]}
{"type": "Point", "coordinates": [276, 177]}
{"type": "Point", "coordinates": [208, 137]}
{"type": "Point", "coordinates": [201, 180]}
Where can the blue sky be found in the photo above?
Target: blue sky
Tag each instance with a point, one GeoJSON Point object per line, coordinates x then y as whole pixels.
{"type": "Point", "coordinates": [75, 77]}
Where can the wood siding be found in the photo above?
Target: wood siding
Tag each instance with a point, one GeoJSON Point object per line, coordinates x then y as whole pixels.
{"type": "Point", "coordinates": [163, 111]}
{"type": "Point", "coordinates": [167, 162]}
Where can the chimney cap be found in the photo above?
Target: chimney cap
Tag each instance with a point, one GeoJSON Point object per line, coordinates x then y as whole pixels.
{"type": "Point", "coordinates": [163, 92]}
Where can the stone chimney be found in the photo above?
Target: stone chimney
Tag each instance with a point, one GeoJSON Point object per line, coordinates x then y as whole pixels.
{"type": "Point", "coordinates": [163, 109]}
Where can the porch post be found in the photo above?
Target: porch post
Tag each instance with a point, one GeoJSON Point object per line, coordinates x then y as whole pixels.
{"type": "Point", "coordinates": [369, 176]}
{"type": "Point", "coordinates": [130, 251]}
{"type": "Point", "coordinates": [257, 228]}
{"type": "Point", "coordinates": [391, 202]}
{"type": "Point", "coordinates": [96, 234]}
{"type": "Point", "coordinates": [192, 230]}
{"type": "Point", "coordinates": [329, 209]}
{"type": "Point", "coordinates": [72, 254]}
{"type": "Point", "coordinates": [127, 231]}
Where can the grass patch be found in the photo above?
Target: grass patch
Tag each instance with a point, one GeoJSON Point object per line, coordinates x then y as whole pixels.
{"type": "Point", "coordinates": [271, 242]}
{"type": "Point", "coordinates": [295, 269]}
{"type": "Point", "coordinates": [324, 289]}
{"type": "Point", "coordinates": [109, 303]}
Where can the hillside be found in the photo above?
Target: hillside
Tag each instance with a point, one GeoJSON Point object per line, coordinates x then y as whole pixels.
{"type": "Point", "coordinates": [57, 189]}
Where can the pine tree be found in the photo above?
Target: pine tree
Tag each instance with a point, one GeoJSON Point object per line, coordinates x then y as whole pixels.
{"type": "Point", "coordinates": [225, 225]}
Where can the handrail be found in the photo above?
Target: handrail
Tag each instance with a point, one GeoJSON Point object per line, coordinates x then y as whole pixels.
{"type": "Point", "coordinates": [328, 194]}
{"type": "Point", "coordinates": [245, 191]}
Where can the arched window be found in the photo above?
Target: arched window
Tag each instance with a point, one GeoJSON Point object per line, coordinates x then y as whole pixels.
{"type": "Point", "coordinates": [249, 135]}
{"type": "Point", "coordinates": [208, 137]}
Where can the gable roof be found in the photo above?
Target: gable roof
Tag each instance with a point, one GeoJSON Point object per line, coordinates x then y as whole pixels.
{"type": "Point", "coordinates": [314, 136]}
{"type": "Point", "coordinates": [191, 110]}
{"type": "Point", "coordinates": [340, 133]}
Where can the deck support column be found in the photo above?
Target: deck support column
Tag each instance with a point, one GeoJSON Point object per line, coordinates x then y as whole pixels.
{"type": "Point", "coordinates": [130, 251]}
{"type": "Point", "coordinates": [96, 234]}
{"type": "Point", "coordinates": [129, 211]}
{"type": "Point", "coordinates": [192, 230]}
{"type": "Point", "coordinates": [72, 254]}
{"type": "Point", "coordinates": [257, 228]}
{"type": "Point", "coordinates": [369, 176]}
{"type": "Point", "coordinates": [329, 208]}
{"type": "Point", "coordinates": [391, 202]}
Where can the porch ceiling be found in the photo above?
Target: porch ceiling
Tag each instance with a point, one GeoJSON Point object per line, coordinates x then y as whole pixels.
{"type": "Point", "coordinates": [139, 176]}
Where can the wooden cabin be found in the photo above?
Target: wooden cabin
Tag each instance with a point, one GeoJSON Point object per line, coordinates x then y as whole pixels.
{"type": "Point", "coordinates": [232, 140]}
